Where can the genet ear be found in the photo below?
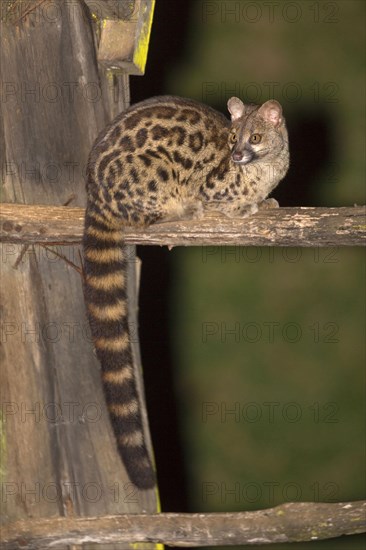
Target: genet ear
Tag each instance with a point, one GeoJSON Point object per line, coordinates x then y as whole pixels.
{"type": "Point", "coordinates": [272, 112]}
{"type": "Point", "coordinates": [236, 108]}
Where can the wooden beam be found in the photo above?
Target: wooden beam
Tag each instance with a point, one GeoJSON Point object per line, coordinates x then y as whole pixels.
{"type": "Point", "coordinates": [344, 226]}
{"type": "Point", "coordinates": [107, 9]}
{"type": "Point", "coordinates": [125, 29]}
{"type": "Point", "coordinates": [291, 522]}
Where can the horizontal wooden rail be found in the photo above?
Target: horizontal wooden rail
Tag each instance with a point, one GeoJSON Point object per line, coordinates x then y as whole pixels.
{"type": "Point", "coordinates": [344, 226]}
{"type": "Point", "coordinates": [291, 522]}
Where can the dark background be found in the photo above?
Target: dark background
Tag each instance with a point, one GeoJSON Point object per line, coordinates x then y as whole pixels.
{"type": "Point", "coordinates": [326, 144]}
{"type": "Point", "coordinates": [168, 44]}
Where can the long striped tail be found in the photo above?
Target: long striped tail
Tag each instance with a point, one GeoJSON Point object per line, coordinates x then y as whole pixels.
{"type": "Point", "coordinates": [106, 303]}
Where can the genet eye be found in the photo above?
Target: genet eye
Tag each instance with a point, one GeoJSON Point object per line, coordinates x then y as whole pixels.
{"type": "Point", "coordinates": [255, 138]}
{"type": "Point", "coordinates": [233, 137]}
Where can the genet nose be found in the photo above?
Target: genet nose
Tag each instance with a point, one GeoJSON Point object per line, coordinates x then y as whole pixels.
{"type": "Point", "coordinates": [237, 156]}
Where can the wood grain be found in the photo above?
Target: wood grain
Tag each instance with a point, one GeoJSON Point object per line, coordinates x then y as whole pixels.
{"type": "Point", "coordinates": [58, 452]}
{"type": "Point", "coordinates": [344, 226]}
{"type": "Point", "coordinates": [290, 522]}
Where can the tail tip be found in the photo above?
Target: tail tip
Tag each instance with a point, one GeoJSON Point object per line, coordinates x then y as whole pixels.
{"type": "Point", "coordinates": [143, 478]}
{"type": "Point", "coordinates": [139, 467]}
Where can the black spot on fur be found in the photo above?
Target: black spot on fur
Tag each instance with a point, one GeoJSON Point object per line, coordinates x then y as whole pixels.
{"type": "Point", "coordinates": [104, 163]}
{"type": "Point", "coordinates": [165, 112]}
{"type": "Point", "coordinates": [196, 141]}
{"type": "Point", "coordinates": [165, 152]}
{"type": "Point", "coordinates": [117, 165]}
{"type": "Point", "coordinates": [107, 196]}
{"type": "Point", "coordinates": [185, 162]}
{"type": "Point", "coordinates": [119, 195]}
{"type": "Point", "coordinates": [132, 121]}
{"type": "Point", "coordinates": [141, 137]}
{"type": "Point", "coordinates": [134, 175]}
{"type": "Point", "coordinates": [152, 185]}
{"type": "Point", "coordinates": [145, 159]}
{"type": "Point", "coordinates": [203, 192]}
{"type": "Point", "coordinates": [189, 115]}
{"type": "Point", "coordinates": [163, 174]}
{"type": "Point", "coordinates": [180, 133]}
{"type": "Point", "coordinates": [152, 154]}
{"type": "Point", "coordinates": [126, 144]}
{"type": "Point", "coordinates": [221, 194]}
{"type": "Point", "coordinates": [209, 159]}
{"type": "Point", "coordinates": [217, 173]}
{"type": "Point", "coordinates": [110, 182]}
{"type": "Point", "coordinates": [115, 134]}
{"type": "Point", "coordinates": [159, 132]}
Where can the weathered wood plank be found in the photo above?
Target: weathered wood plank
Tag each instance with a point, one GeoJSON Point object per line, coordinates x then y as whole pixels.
{"type": "Point", "coordinates": [59, 454]}
{"type": "Point", "coordinates": [124, 41]}
{"type": "Point", "coordinates": [112, 9]}
{"type": "Point", "coordinates": [291, 522]}
{"type": "Point", "coordinates": [344, 226]}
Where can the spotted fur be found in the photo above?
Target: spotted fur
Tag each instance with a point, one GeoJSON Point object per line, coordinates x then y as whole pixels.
{"type": "Point", "coordinates": [164, 158]}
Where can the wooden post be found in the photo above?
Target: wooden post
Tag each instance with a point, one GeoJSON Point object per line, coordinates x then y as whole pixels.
{"type": "Point", "coordinates": [59, 457]}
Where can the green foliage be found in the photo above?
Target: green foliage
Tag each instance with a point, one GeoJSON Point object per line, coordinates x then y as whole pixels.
{"type": "Point", "coordinates": [310, 57]}
{"type": "Point", "coordinates": [297, 316]}
{"type": "Point", "coordinates": [271, 375]}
